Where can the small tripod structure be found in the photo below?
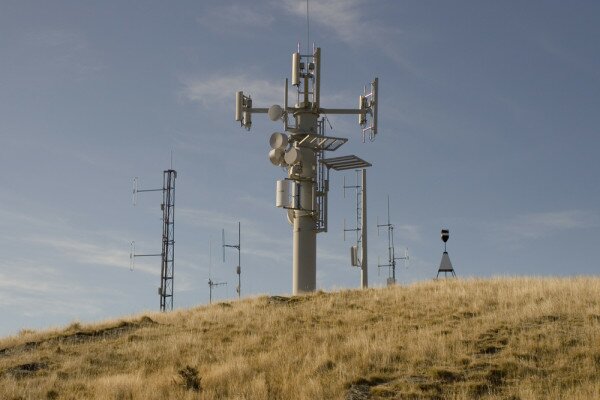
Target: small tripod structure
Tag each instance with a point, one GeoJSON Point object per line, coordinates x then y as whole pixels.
{"type": "Point", "coordinates": [445, 264]}
{"type": "Point", "coordinates": [391, 265]}
{"type": "Point", "coordinates": [238, 269]}
{"type": "Point", "coordinates": [361, 227]}
{"type": "Point", "coordinates": [167, 271]}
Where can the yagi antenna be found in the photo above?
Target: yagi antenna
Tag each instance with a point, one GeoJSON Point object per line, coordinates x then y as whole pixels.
{"type": "Point", "coordinates": [211, 283]}
{"type": "Point", "coordinates": [391, 263]}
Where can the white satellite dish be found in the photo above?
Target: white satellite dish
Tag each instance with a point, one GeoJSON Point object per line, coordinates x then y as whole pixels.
{"type": "Point", "coordinates": [278, 140]}
{"type": "Point", "coordinates": [275, 112]}
{"type": "Point", "coordinates": [276, 156]}
{"type": "Point", "coordinates": [292, 156]}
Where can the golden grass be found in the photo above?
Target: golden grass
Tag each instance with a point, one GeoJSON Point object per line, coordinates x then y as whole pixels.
{"type": "Point", "coordinates": [456, 339]}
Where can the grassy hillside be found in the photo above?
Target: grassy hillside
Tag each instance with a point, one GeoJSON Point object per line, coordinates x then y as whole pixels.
{"type": "Point", "coordinates": [475, 339]}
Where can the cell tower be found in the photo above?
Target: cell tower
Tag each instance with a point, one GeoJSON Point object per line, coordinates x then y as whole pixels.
{"type": "Point", "coordinates": [167, 254]}
{"type": "Point", "coordinates": [445, 264]}
{"type": "Point", "coordinates": [391, 264]}
{"type": "Point", "coordinates": [304, 192]}
{"type": "Point", "coordinates": [238, 247]}
{"type": "Point", "coordinates": [361, 227]}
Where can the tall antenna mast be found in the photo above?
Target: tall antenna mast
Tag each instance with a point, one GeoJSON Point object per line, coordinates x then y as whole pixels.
{"type": "Point", "coordinates": [307, 29]}
{"type": "Point", "coordinates": [303, 193]}
{"type": "Point", "coordinates": [238, 269]}
{"type": "Point", "coordinates": [360, 228]}
{"type": "Point", "coordinates": [167, 254]}
{"type": "Point", "coordinates": [391, 265]}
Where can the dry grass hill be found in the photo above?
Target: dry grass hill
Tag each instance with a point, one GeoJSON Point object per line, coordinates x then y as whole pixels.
{"type": "Point", "coordinates": [456, 339]}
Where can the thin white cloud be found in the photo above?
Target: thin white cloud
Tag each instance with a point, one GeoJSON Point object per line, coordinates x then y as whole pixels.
{"type": "Point", "coordinates": [349, 22]}
{"type": "Point", "coordinates": [341, 16]}
{"type": "Point", "coordinates": [540, 225]}
{"type": "Point", "coordinates": [220, 90]}
{"type": "Point", "coordinates": [208, 219]}
{"type": "Point", "coordinates": [85, 252]}
{"type": "Point", "coordinates": [410, 232]}
{"type": "Point", "coordinates": [257, 242]}
{"type": "Point", "coordinates": [69, 39]}
{"type": "Point", "coordinates": [64, 50]}
{"type": "Point", "coordinates": [35, 289]}
{"type": "Point", "coordinates": [234, 18]}
{"type": "Point", "coordinates": [553, 47]}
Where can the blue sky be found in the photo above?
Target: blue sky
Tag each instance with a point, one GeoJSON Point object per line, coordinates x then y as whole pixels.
{"type": "Point", "coordinates": [488, 126]}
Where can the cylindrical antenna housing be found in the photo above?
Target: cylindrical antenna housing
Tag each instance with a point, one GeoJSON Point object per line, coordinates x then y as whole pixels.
{"type": "Point", "coordinates": [239, 100]}
{"type": "Point", "coordinates": [282, 194]}
{"type": "Point", "coordinates": [296, 69]}
{"type": "Point", "coordinates": [374, 104]}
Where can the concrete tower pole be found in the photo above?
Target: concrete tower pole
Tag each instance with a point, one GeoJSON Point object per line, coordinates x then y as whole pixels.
{"type": "Point", "coordinates": [364, 277]}
{"type": "Point", "coordinates": [304, 252]}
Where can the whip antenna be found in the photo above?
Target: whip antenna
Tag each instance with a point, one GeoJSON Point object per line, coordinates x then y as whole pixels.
{"type": "Point", "coordinates": [307, 29]}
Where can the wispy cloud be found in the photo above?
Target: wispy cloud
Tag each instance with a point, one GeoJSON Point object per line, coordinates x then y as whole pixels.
{"type": "Point", "coordinates": [257, 241]}
{"type": "Point", "coordinates": [540, 225]}
{"type": "Point", "coordinates": [234, 18]}
{"type": "Point", "coordinates": [64, 50]}
{"type": "Point", "coordinates": [349, 22]}
{"type": "Point", "coordinates": [563, 53]}
{"type": "Point", "coordinates": [410, 232]}
{"type": "Point", "coordinates": [36, 289]}
{"type": "Point", "coordinates": [208, 219]}
{"type": "Point", "coordinates": [220, 89]}
{"type": "Point", "coordinates": [87, 252]}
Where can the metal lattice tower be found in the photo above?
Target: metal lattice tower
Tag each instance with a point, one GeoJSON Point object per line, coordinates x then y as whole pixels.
{"type": "Point", "coordinates": [303, 193]}
{"type": "Point", "coordinates": [167, 270]}
{"type": "Point", "coordinates": [167, 255]}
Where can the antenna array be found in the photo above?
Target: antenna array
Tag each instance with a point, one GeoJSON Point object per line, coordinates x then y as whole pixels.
{"type": "Point", "coordinates": [303, 193]}
{"type": "Point", "coordinates": [238, 269]}
{"type": "Point", "coordinates": [167, 254]}
{"type": "Point", "coordinates": [391, 265]}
